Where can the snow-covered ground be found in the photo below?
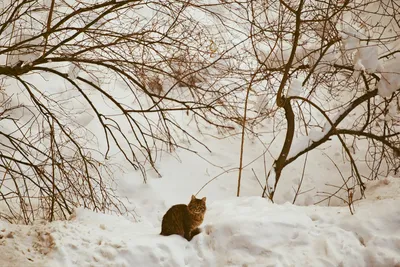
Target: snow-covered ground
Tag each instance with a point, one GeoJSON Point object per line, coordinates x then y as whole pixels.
{"type": "Point", "coordinates": [246, 231]}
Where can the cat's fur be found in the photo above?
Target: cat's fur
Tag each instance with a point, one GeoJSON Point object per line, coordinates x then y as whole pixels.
{"type": "Point", "coordinates": [184, 219]}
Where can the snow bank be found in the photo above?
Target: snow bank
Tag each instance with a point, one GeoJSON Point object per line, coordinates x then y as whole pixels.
{"type": "Point", "coordinates": [236, 232]}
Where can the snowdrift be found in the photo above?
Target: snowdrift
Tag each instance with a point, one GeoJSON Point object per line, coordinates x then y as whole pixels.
{"type": "Point", "coordinates": [247, 231]}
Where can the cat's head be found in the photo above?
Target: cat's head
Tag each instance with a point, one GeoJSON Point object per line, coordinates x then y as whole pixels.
{"type": "Point", "coordinates": [197, 205]}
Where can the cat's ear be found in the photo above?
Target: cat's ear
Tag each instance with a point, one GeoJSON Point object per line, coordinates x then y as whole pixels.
{"type": "Point", "coordinates": [193, 197]}
{"type": "Point", "coordinates": [204, 199]}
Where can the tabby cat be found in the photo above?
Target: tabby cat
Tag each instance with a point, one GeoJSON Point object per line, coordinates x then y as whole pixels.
{"type": "Point", "coordinates": [184, 219]}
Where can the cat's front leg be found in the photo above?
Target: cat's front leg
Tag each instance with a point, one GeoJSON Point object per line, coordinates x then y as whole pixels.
{"type": "Point", "coordinates": [195, 232]}
{"type": "Point", "coordinates": [188, 235]}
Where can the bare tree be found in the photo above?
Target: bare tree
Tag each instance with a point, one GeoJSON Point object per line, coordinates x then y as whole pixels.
{"type": "Point", "coordinates": [71, 68]}
{"type": "Point", "coordinates": [332, 70]}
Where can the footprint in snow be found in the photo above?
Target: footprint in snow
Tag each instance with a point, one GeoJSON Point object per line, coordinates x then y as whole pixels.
{"type": "Point", "coordinates": [208, 229]}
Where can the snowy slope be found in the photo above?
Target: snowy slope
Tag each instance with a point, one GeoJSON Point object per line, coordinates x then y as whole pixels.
{"type": "Point", "coordinates": [247, 231]}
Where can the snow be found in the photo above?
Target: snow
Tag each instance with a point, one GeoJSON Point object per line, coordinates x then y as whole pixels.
{"type": "Point", "coordinates": [350, 38]}
{"type": "Point", "coordinates": [295, 88]}
{"type": "Point", "coordinates": [366, 59]}
{"type": "Point", "coordinates": [299, 144]}
{"type": "Point", "coordinates": [328, 126]}
{"type": "Point", "coordinates": [315, 135]}
{"type": "Point", "coordinates": [390, 79]}
{"type": "Point", "coordinates": [247, 231]}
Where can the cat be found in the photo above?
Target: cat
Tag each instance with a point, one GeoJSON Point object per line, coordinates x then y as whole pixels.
{"type": "Point", "coordinates": [184, 219]}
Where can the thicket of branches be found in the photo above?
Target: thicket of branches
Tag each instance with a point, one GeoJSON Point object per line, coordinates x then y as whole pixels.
{"type": "Point", "coordinates": [341, 55]}
{"type": "Point", "coordinates": [128, 67]}
{"type": "Point", "coordinates": [50, 161]}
